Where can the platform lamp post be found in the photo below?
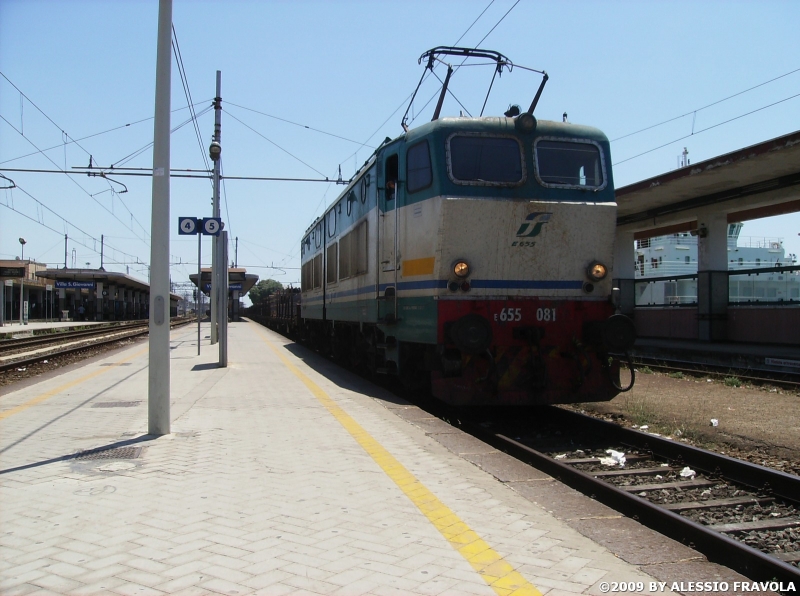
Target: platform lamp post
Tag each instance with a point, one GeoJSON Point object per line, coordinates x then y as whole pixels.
{"type": "Point", "coordinates": [22, 279]}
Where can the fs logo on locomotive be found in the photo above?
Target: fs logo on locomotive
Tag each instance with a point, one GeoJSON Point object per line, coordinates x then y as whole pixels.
{"type": "Point", "coordinates": [531, 227]}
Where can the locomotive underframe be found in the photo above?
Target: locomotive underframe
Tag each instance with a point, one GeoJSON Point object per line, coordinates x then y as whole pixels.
{"type": "Point", "coordinates": [538, 351]}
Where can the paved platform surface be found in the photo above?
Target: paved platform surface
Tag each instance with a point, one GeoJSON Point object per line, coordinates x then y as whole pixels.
{"type": "Point", "coordinates": [276, 479]}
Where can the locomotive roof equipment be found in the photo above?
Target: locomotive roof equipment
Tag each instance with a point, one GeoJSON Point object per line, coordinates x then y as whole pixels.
{"type": "Point", "coordinates": [524, 122]}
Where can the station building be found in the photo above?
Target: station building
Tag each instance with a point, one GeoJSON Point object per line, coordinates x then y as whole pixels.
{"type": "Point", "coordinates": [73, 294]}
{"type": "Point", "coordinates": [239, 283]}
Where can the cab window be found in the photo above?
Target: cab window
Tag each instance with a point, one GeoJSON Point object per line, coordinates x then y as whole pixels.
{"type": "Point", "coordinates": [418, 167]}
{"type": "Point", "coordinates": [569, 164]}
{"type": "Point", "coordinates": [483, 160]}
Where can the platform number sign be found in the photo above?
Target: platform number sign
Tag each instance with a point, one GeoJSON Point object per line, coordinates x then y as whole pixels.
{"type": "Point", "coordinates": [187, 225]}
{"type": "Point", "coordinates": [212, 226]}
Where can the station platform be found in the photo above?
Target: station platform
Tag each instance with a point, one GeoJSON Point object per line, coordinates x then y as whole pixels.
{"type": "Point", "coordinates": [284, 474]}
{"type": "Point", "coordinates": [12, 329]}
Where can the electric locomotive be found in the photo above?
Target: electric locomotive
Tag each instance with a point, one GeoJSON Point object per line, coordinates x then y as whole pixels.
{"type": "Point", "coordinates": [474, 254]}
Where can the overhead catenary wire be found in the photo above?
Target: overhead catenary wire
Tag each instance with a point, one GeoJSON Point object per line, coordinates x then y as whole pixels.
{"type": "Point", "coordinates": [76, 183]}
{"type": "Point", "coordinates": [465, 58]}
{"type": "Point", "coordinates": [187, 91]}
{"type": "Point", "coordinates": [228, 222]}
{"type": "Point", "coordinates": [130, 156]}
{"type": "Point", "coordinates": [330, 134]}
{"type": "Point", "coordinates": [273, 143]}
{"type": "Point", "coordinates": [402, 103]}
{"type": "Point", "coordinates": [697, 132]}
{"type": "Point", "coordinates": [96, 134]}
{"type": "Point", "coordinates": [689, 113]}
{"type": "Point", "coordinates": [66, 136]}
{"type": "Point", "coordinates": [22, 94]}
{"type": "Point", "coordinates": [66, 221]}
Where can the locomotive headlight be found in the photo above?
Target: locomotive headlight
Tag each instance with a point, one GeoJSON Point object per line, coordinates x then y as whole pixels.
{"type": "Point", "coordinates": [461, 269]}
{"type": "Point", "coordinates": [596, 271]}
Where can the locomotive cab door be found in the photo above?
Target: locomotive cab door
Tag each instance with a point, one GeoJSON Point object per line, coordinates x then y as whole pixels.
{"type": "Point", "coordinates": [389, 199]}
{"type": "Point", "coordinates": [388, 192]}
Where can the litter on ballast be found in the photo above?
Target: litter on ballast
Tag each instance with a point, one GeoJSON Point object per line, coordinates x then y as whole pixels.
{"type": "Point", "coordinates": [562, 456]}
{"type": "Point", "coordinates": [714, 422]}
{"type": "Point", "coordinates": [687, 472]}
{"type": "Point", "coordinates": [616, 458]}
{"type": "Point", "coordinates": [644, 427]}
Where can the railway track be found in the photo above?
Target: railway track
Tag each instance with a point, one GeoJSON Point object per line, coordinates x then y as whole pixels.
{"type": "Point", "coordinates": [749, 375]}
{"type": "Point", "coordinates": [23, 352]}
{"type": "Point", "coordinates": [741, 515]}
{"type": "Point", "coordinates": [9, 346]}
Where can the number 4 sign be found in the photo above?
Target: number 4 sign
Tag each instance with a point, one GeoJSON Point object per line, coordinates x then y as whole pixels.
{"type": "Point", "coordinates": [187, 226]}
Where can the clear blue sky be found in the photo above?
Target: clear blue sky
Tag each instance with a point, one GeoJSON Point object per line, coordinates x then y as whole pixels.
{"type": "Point", "coordinates": [347, 68]}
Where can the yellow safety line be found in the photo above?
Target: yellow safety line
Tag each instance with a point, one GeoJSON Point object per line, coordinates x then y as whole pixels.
{"type": "Point", "coordinates": [499, 574]}
{"type": "Point", "coordinates": [64, 387]}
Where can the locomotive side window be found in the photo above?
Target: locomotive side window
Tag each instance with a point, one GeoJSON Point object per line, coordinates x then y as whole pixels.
{"type": "Point", "coordinates": [306, 278]}
{"type": "Point", "coordinates": [481, 160]}
{"type": "Point", "coordinates": [317, 271]}
{"type": "Point", "coordinates": [418, 167]}
{"type": "Point", "coordinates": [344, 256]}
{"type": "Point", "coordinates": [360, 250]}
{"type": "Point", "coordinates": [569, 164]}
{"type": "Point", "coordinates": [330, 272]}
{"type": "Point", "coordinates": [353, 252]}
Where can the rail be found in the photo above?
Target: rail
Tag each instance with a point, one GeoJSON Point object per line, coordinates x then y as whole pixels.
{"type": "Point", "coordinates": [716, 544]}
{"type": "Point", "coordinates": [118, 334]}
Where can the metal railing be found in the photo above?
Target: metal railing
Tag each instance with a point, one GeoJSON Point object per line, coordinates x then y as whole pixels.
{"type": "Point", "coordinates": [761, 285]}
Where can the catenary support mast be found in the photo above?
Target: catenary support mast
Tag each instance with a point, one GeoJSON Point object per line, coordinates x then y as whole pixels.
{"type": "Point", "coordinates": [158, 372]}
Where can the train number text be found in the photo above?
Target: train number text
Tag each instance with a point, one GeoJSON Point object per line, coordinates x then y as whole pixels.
{"type": "Point", "coordinates": [548, 315]}
{"type": "Point", "coordinates": [509, 314]}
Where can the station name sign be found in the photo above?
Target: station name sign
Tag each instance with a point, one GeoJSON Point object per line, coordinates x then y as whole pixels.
{"type": "Point", "coordinates": [231, 287]}
{"type": "Point", "coordinates": [83, 285]}
{"type": "Point", "coordinates": [12, 271]}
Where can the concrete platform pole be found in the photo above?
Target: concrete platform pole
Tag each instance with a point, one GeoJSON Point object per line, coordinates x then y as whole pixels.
{"type": "Point", "coordinates": [158, 416]}
{"type": "Point", "coordinates": [98, 301]}
{"type": "Point", "coordinates": [62, 302]}
{"type": "Point", "coordinates": [712, 276]}
{"type": "Point", "coordinates": [624, 271]}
